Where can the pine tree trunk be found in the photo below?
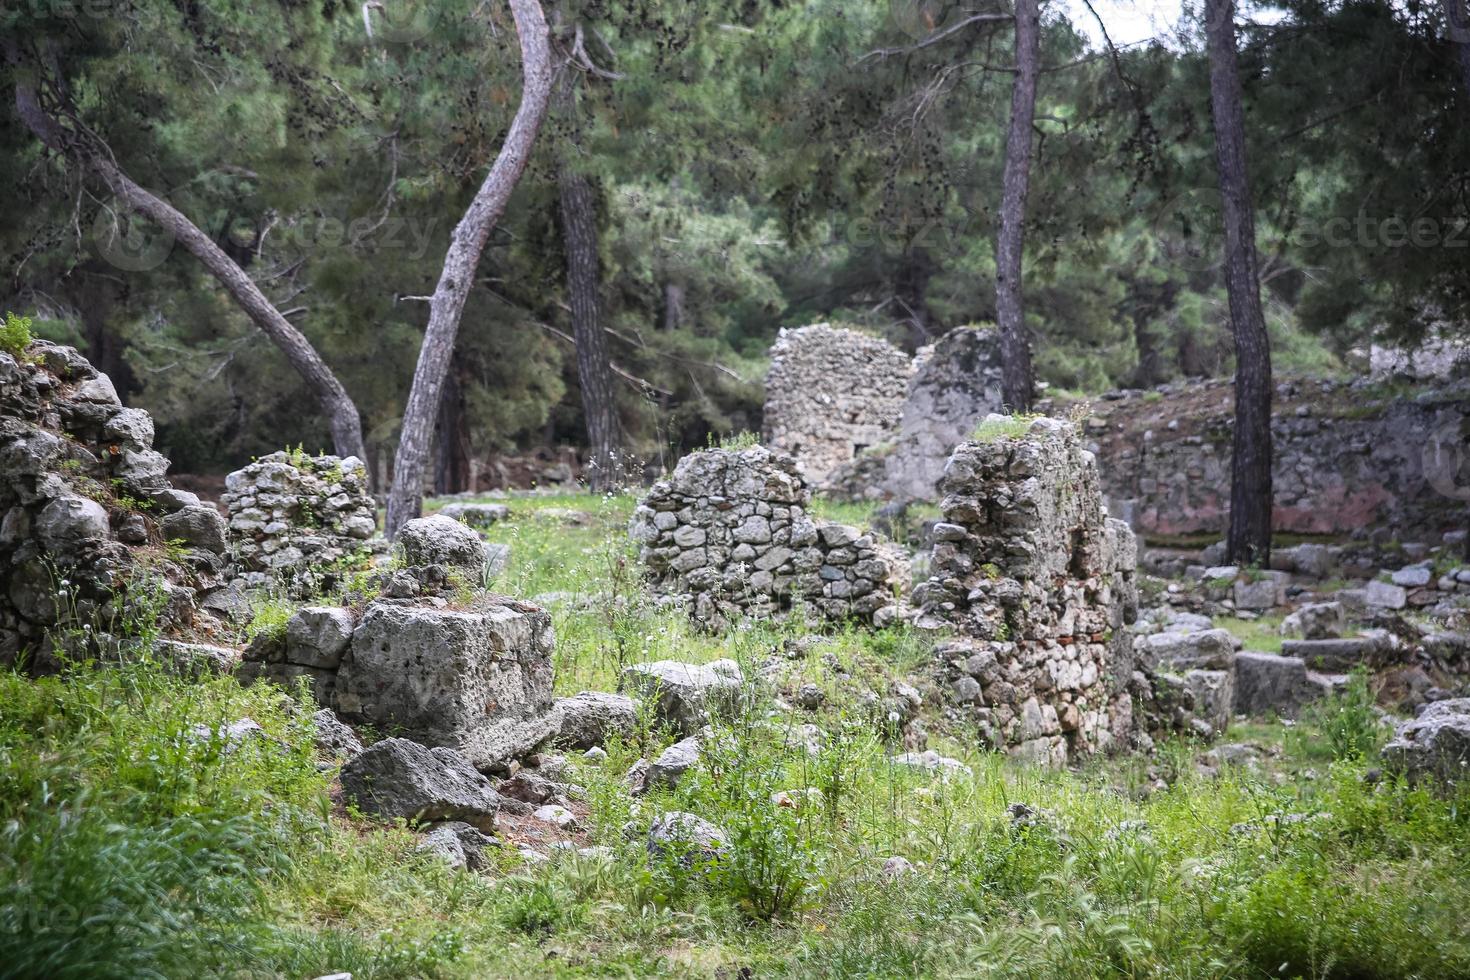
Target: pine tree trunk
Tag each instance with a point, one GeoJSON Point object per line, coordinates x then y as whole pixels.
{"type": "Point", "coordinates": [451, 467]}
{"type": "Point", "coordinates": [1249, 537]}
{"type": "Point", "coordinates": [1010, 242]}
{"type": "Point", "coordinates": [578, 209]}
{"type": "Point", "coordinates": [468, 241]}
{"type": "Point", "coordinates": [1457, 14]}
{"type": "Point", "coordinates": [342, 415]}
{"type": "Point", "coordinates": [673, 312]}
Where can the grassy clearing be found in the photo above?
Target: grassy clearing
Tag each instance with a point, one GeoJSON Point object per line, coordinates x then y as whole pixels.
{"type": "Point", "coordinates": [135, 844]}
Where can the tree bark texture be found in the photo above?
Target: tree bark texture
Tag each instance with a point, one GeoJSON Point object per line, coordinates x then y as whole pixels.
{"type": "Point", "coordinates": [1249, 538]}
{"type": "Point", "coordinates": [578, 210]}
{"type": "Point", "coordinates": [342, 415]}
{"type": "Point", "coordinates": [1010, 242]}
{"type": "Point", "coordinates": [465, 246]}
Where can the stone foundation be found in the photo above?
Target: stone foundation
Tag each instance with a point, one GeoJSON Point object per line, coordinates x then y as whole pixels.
{"type": "Point", "coordinates": [830, 394]}
{"type": "Point", "coordinates": [1039, 585]}
{"type": "Point", "coordinates": [730, 532]}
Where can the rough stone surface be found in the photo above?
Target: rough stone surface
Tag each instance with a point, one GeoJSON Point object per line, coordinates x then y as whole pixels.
{"type": "Point", "coordinates": [729, 533]}
{"type": "Point", "coordinates": [956, 383]}
{"type": "Point", "coordinates": [400, 778]}
{"type": "Point", "coordinates": [1041, 587]}
{"type": "Point", "coordinates": [1267, 682]}
{"type": "Point", "coordinates": [333, 738]}
{"type": "Point", "coordinates": [689, 838]}
{"type": "Point", "coordinates": [831, 393]}
{"type": "Point", "coordinates": [441, 540]}
{"type": "Point", "coordinates": [686, 696]}
{"type": "Point", "coordinates": [589, 718]}
{"type": "Point", "coordinates": [1315, 621]}
{"type": "Point", "coordinates": [673, 762]}
{"type": "Point", "coordinates": [293, 517]}
{"type": "Point", "coordinates": [1436, 744]}
{"type": "Point", "coordinates": [85, 511]}
{"type": "Point", "coordinates": [1345, 458]}
{"type": "Point", "coordinates": [477, 680]}
{"type": "Point", "coordinates": [476, 515]}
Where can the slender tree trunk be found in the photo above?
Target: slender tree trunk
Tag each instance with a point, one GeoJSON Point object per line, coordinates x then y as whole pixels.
{"type": "Point", "coordinates": [1249, 538]}
{"type": "Point", "coordinates": [468, 241]}
{"type": "Point", "coordinates": [451, 466]}
{"type": "Point", "coordinates": [1010, 313]}
{"type": "Point", "coordinates": [342, 416]}
{"type": "Point", "coordinates": [578, 208]}
{"type": "Point", "coordinates": [1457, 13]}
{"type": "Point", "coordinates": [673, 312]}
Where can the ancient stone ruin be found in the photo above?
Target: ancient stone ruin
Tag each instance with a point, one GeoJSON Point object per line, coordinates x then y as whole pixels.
{"type": "Point", "coordinates": [474, 677]}
{"type": "Point", "coordinates": [729, 532]}
{"type": "Point", "coordinates": [1039, 585]}
{"type": "Point", "coordinates": [956, 383]}
{"type": "Point", "coordinates": [92, 537]}
{"type": "Point", "coordinates": [293, 516]}
{"type": "Point", "coordinates": [830, 394]}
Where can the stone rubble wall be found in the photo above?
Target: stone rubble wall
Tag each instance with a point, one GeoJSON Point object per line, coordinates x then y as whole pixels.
{"type": "Point", "coordinates": [730, 532]}
{"type": "Point", "coordinates": [956, 383]}
{"type": "Point", "coordinates": [91, 532]}
{"type": "Point", "coordinates": [1347, 459]}
{"type": "Point", "coordinates": [292, 516]}
{"type": "Point", "coordinates": [1039, 586]}
{"type": "Point", "coordinates": [830, 393]}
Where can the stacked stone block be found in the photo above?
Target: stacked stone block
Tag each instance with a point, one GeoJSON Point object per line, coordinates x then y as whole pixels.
{"type": "Point", "coordinates": [730, 533]}
{"type": "Point", "coordinates": [293, 515]}
{"type": "Point", "coordinates": [1039, 586]}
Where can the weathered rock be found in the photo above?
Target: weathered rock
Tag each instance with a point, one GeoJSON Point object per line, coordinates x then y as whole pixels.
{"type": "Point", "coordinates": [459, 845]}
{"type": "Point", "coordinates": [198, 526]}
{"type": "Point", "coordinates": [1337, 656]}
{"type": "Point", "coordinates": [1266, 682]}
{"type": "Point", "coordinates": [1258, 594]}
{"type": "Point", "coordinates": [477, 680]}
{"type": "Point", "coordinates": [1384, 595]}
{"type": "Point", "coordinates": [673, 762]}
{"type": "Point", "coordinates": [69, 524]}
{"type": "Point", "coordinates": [399, 778]}
{"type": "Point", "coordinates": [1315, 621]}
{"type": "Point", "coordinates": [476, 515]}
{"type": "Point", "coordinates": [1436, 744]}
{"type": "Point", "coordinates": [1412, 577]}
{"type": "Point", "coordinates": [333, 738]}
{"type": "Point", "coordinates": [687, 696]}
{"type": "Point", "coordinates": [1210, 649]}
{"type": "Point", "coordinates": [317, 636]}
{"type": "Point", "coordinates": [441, 540]}
{"type": "Point", "coordinates": [589, 718]}
{"type": "Point", "coordinates": [687, 838]}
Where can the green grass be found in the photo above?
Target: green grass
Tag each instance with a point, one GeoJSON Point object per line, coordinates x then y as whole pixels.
{"type": "Point", "coordinates": [131, 846]}
{"type": "Point", "coordinates": [1009, 427]}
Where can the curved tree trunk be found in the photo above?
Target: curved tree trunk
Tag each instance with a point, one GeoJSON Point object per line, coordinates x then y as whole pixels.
{"type": "Point", "coordinates": [1249, 538]}
{"type": "Point", "coordinates": [342, 416]}
{"type": "Point", "coordinates": [1010, 242]}
{"type": "Point", "coordinates": [458, 275]}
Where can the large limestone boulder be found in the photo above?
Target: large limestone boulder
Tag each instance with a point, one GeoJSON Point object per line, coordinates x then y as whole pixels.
{"type": "Point", "coordinates": [1267, 683]}
{"type": "Point", "coordinates": [400, 778]}
{"type": "Point", "coordinates": [1210, 649]}
{"type": "Point", "coordinates": [1436, 744]}
{"type": "Point", "coordinates": [686, 696]}
{"type": "Point", "coordinates": [689, 838]}
{"type": "Point", "coordinates": [477, 680]}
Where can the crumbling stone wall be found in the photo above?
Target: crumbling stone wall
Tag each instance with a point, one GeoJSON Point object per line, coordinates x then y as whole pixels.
{"type": "Point", "coordinates": [956, 383]}
{"type": "Point", "coordinates": [1039, 585]}
{"type": "Point", "coordinates": [731, 533]}
{"type": "Point", "coordinates": [831, 393]}
{"type": "Point", "coordinates": [1347, 457]}
{"type": "Point", "coordinates": [293, 515]}
{"type": "Point", "coordinates": [87, 515]}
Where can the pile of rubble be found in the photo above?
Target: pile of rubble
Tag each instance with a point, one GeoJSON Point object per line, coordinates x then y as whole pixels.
{"type": "Point", "coordinates": [1040, 587]}
{"type": "Point", "coordinates": [92, 536]}
{"type": "Point", "coordinates": [293, 516]}
{"type": "Point", "coordinates": [730, 534]}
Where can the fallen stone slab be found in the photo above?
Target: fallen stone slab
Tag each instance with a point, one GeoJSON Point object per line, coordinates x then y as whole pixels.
{"type": "Point", "coordinates": [1384, 595]}
{"type": "Point", "coordinates": [687, 696]}
{"type": "Point", "coordinates": [1332, 655]}
{"type": "Point", "coordinates": [1268, 682]}
{"type": "Point", "coordinates": [399, 778]}
{"type": "Point", "coordinates": [673, 762]}
{"type": "Point", "coordinates": [1210, 649]}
